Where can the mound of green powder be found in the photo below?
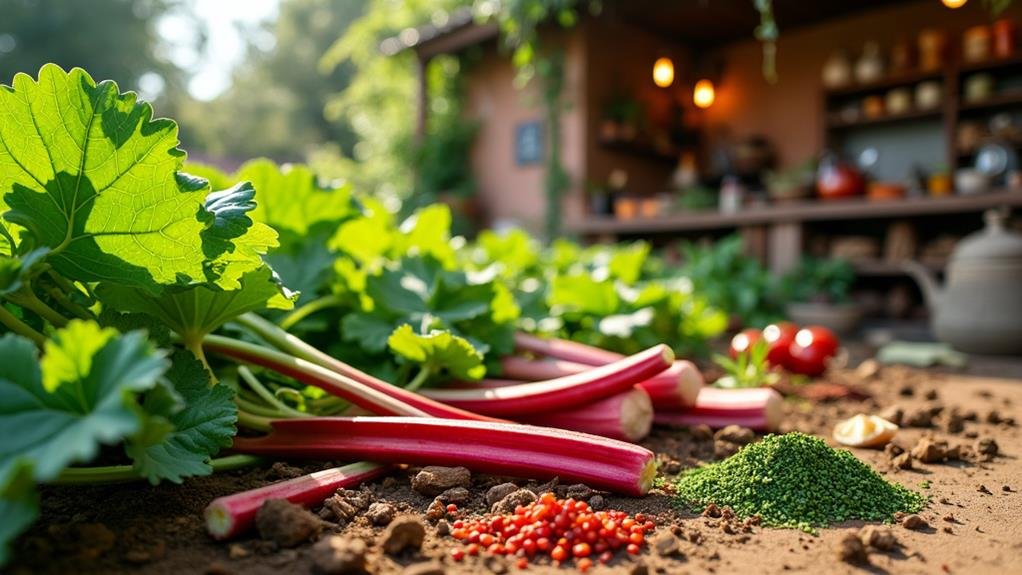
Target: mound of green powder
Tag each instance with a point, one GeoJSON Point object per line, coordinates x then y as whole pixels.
{"type": "Point", "coordinates": [796, 481]}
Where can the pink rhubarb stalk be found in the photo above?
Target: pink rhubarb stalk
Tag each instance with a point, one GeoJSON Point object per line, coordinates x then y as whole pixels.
{"type": "Point", "coordinates": [675, 387]}
{"type": "Point", "coordinates": [496, 448]}
{"type": "Point", "coordinates": [295, 346]}
{"type": "Point", "coordinates": [565, 349]}
{"type": "Point", "coordinates": [560, 393]}
{"type": "Point", "coordinates": [757, 408]}
{"type": "Point", "coordinates": [626, 416]}
{"type": "Point", "coordinates": [231, 515]}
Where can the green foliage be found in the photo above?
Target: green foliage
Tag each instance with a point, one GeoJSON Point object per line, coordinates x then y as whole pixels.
{"type": "Point", "coordinates": [798, 482]}
{"type": "Point", "coordinates": [438, 350]}
{"type": "Point", "coordinates": [732, 281]}
{"type": "Point", "coordinates": [826, 280]}
{"type": "Point", "coordinates": [72, 405]}
{"type": "Point", "coordinates": [749, 369]}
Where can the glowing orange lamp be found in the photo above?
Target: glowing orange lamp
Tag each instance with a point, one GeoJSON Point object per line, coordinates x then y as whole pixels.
{"type": "Point", "coordinates": [954, 3]}
{"type": "Point", "coordinates": [663, 72]}
{"type": "Point", "coordinates": [703, 94]}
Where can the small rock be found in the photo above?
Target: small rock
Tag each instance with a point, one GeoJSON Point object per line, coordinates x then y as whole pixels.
{"type": "Point", "coordinates": [434, 480]}
{"type": "Point", "coordinates": [724, 449]}
{"type": "Point", "coordinates": [340, 555]}
{"type": "Point", "coordinates": [903, 461]}
{"type": "Point", "coordinates": [931, 394]}
{"type": "Point", "coordinates": [281, 470]}
{"type": "Point", "coordinates": [1006, 488]}
{"type": "Point", "coordinates": [456, 495]}
{"type": "Point", "coordinates": [436, 511]}
{"type": "Point", "coordinates": [597, 502]}
{"type": "Point", "coordinates": [894, 414]}
{"type": "Point", "coordinates": [711, 511]}
{"type": "Point", "coordinates": [914, 522]}
{"type": "Point", "coordinates": [639, 569]}
{"type": "Point", "coordinates": [736, 434]}
{"type": "Point", "coordinates": [425, 568]}
{"type": "Point", "coordinates": [496, 565]}
{"type": "Point", "coordinates": [918, 418]}
{"type": "Point", "coordinates": [906, 391]}
{"type": "Point", "coordinates": [955, 423]}
{"type": "Point", "coordinates": [868, 369]}
{"type": "Point", "coordinates": [701, 432]}
{"type": "Point", "coordinates": [579, 492]}
{"type": "Point", "coordinates": [993, 417]}
{"type": "Point", "coordinates": [345, 505]}
{"type": "Point", "coordinates": [893, 450]}
{"type": "Point", "coordinates": [928, 451]}
{"type": "Point", "coordinates": [948, 530]}
{"type": "Point", "coordinates": [285, 523]}
{"type": "Point", "coordinates": [498, 492]}
{"type": "Point", "coordinates": [513, 500]}
{"type": "Point", "coordinates": [238, 551]}
{"type": "Point", "coordinates": [879, 538]}
{"type": "Point", "coordinates": [380, 513]}
{"type": "Point", "coordinates": [443, 528]}
{"type": "Point", "coordinates": [851, 550]}
{"type": "Point", "coordinates": [987, 447]}
{"type": "Point", "coordinates": [983, 489]}
{"type": "Point", "coordinates": [672, 467]}
{"type": "Point", "coordinates": [404, 532]}
{"type": "Point", "coordinates": [666, 545]}
{"type": "Point", "coordinates": [953, 453]}
{"type": "Point", "coordinates": [970, 415]}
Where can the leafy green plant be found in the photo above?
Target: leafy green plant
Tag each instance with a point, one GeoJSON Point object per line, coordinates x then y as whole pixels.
{"type": "Point", "coordinates": [749, 369]}
{"type": "Point", "coordinates": [820, 280]}
{"type": "Point", "coordinates": [733, 281]}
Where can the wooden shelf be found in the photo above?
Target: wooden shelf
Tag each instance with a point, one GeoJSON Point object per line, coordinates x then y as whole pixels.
{"type": "Point", "coordinates": [1000, 100]}
{"type": "Point", "coordinates": [934, 114]}
{"type": "Point", "coordinates": [835, 210]}
{"type": "Point", "coordinates": [882, 85]}
{"type": "Point", "coordinates": [992, 64]}
{"type": "Point", "coordinates": [641, 149]}
{"type": "Point", "coordinates": [883, 268]}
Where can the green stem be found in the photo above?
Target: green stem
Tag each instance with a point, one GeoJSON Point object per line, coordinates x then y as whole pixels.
{"type": "Point", "coordinates": [308, 309]}
{"type": "Point", "coordinates": [125, 473]}
{"type": "Point", "coordinates": [21, 328]}
{"type": "Point", "coordinates": [419, 379]}
{"type": "Point", "coordinates": [266, 395]}
{"type": "Point", "coordinates": [259, 409]}
{"type": "Point", "coordinates": [27, 299]}
{"type": "Point", "coordinates": [194, 345]}
{"type": "Point", "coordinates": [69, 305]}
{"type": "Point", "coordinates": [254, 422]}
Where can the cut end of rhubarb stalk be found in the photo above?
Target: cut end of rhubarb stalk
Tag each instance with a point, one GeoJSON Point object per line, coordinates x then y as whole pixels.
{"type": "Point", "coordinates": [647, 477]}
{"type": "Point", "coordinates": [636, 415]}
{"type": "Point", "coordinates": [219, 521]}
{"type": "Point", "coordinates": [690, 381]}
{"type": "Point", "coordinates": [668, 355]}
{"type": "Point", "coordinates": [773, 410]}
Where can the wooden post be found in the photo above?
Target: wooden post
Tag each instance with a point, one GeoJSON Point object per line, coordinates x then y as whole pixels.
{"type": "Point", "coordinates": [785, 239]}
{"type": "Point", "coordinates": [421, 97]}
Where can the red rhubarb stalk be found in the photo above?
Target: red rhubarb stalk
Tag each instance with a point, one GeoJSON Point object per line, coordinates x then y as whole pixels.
{"type": "Point", "coordinates": [626, 416]}
{"type": "Point", "coordinates": [565, 349]}
{"type": "Point", "coordinates": [496, 448]}
{"type": "Point", "coordinates": [672, 388]}
{"type": "Point", "coordinates": [563, 392]}
{"type": "Point", "coordinates": [231, 515]}
{"type": "Point", "coordinates": [286, 342]}
{"type": "Point", "coordinates": [757, 408]}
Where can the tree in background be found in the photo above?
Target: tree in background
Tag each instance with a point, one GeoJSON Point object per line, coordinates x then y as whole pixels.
{"type": "Point", "coordinates": [275, 104]}
{"type": "Point", "coordinates": [112, 39]}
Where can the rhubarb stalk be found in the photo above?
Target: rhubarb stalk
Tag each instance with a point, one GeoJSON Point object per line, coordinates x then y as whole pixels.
{"type": "Point", "coordinates": [672, 388]}
{"type": "Point", "coordinates": [487, 447]}
{"type": "Point", "coordinates": [233, 514]}
{"type": "Point", "coordinates": [563, 392]}
{"type": "Point", "coordinates": [757, 408]}
{"type": "Point", "coordinates": [626, 416]}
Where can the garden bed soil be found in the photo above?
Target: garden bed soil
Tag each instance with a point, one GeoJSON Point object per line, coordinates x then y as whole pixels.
{"type": "Point", "coordinates": [972, 523]}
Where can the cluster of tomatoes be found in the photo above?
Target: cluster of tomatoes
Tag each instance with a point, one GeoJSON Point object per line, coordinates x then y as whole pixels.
{"type": "Point", "coordinates": [563, 529]}
{"type": "Point", "coordinates": [804, 351]}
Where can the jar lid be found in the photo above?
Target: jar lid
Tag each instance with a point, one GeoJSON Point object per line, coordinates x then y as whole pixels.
{"type": "Point", "coordinates": [993, 242]}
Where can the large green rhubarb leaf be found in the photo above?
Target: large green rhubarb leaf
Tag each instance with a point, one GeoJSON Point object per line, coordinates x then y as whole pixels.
{"type": "Point", "coordinates": [290, 198]}
{"type": "Point", "coordinates": [199, 428]}
{"type": "Point", "coordinates": [91, 175]}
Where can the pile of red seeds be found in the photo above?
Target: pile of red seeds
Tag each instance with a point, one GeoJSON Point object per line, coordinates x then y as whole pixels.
{"type": "Point", "coordinates": [561, 529]}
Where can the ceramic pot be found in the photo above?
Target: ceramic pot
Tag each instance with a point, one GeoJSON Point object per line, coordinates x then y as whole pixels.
{"type": "Point", "coordinates": [837, 71]}
{"type": "Point", "coordinates": [928, 95]}
{"type": "Point", "coordinates": [870, 66]}
{"type": "Point", "coordinates": [979, 309]}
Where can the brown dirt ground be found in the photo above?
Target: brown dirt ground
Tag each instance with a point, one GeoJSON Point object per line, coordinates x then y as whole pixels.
{"type": "Point", "coordinates": [137, 528]}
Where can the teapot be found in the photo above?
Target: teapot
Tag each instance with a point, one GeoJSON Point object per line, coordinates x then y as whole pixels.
{"type": "Point", "coordinates": [980, 308]}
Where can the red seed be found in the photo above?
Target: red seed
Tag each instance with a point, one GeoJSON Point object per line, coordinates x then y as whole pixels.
{"type": "Point", "coordinates": [581, 550]}
{"type": "Point", "coordinates": [472, 549]}
{"type": "Point", "coordinates": [457, 554]}
{"type": "Point", "coordinates": [632, 549]}
{"type": "Point", "coordinates": [452, 508]}
{"type": "Point", "coordinates": [523, 563]}
{"type": "Point", "coordinates": [606, 557]}
{"type": "Point", "coordinates": [584, 564]}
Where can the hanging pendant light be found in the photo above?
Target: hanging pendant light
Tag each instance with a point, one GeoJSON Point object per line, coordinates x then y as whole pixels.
{"type": "Point", "coordinates": [663, 72]}
{"type": "Point", "coordinates": [704, 93]}
{"type": "Point", "coordinates": [954, 3]}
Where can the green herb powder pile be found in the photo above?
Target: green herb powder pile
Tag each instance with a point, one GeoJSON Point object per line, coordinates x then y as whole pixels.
{"type": "Point", "coordinates": [796, 481]}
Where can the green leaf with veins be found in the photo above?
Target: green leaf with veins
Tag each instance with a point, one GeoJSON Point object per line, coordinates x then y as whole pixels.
{"type": "Point", "coordinates": [54, 429]}
{"type": "Point", "coordinates": [234, 243]}
{"type": "Point", "coordinates": [199, 428]}
{"type": "Point", "coordinates": [581, 293]}
{"type": "Point", "coordinates": [369, 238]}
{"type": "Point", "coordinates": [427, 232]}
{"type": "Point", "coordinates": [92, 176]}
{"type": "Point", "coordinates": [369, 331]}
{"type": "Point", "coordinates": [194, 312]}
{"type": "Point", "coordinates": [290, 198]}
{"type": "Point", "coordinates": [438, 350]}
{"type": "Point", "coordinates": [67, 357]}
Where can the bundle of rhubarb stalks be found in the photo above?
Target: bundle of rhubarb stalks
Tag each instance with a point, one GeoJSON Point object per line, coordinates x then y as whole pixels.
{"type": "Point", "coordinates": [565, 410]}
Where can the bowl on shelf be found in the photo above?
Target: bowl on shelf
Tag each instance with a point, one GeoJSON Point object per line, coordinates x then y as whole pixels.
{"type": "Point", "coordinates": [970, 181]}
{"type": "Point", "coordinates": [885, 191]}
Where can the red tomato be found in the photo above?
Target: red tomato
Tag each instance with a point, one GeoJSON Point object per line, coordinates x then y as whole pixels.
{"type": "Point", "coordinates": [779, 337]}
{"type": "Point", "coordinates": [812, 347]}
{"type": "Point", "coordinates": [743, 341]}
